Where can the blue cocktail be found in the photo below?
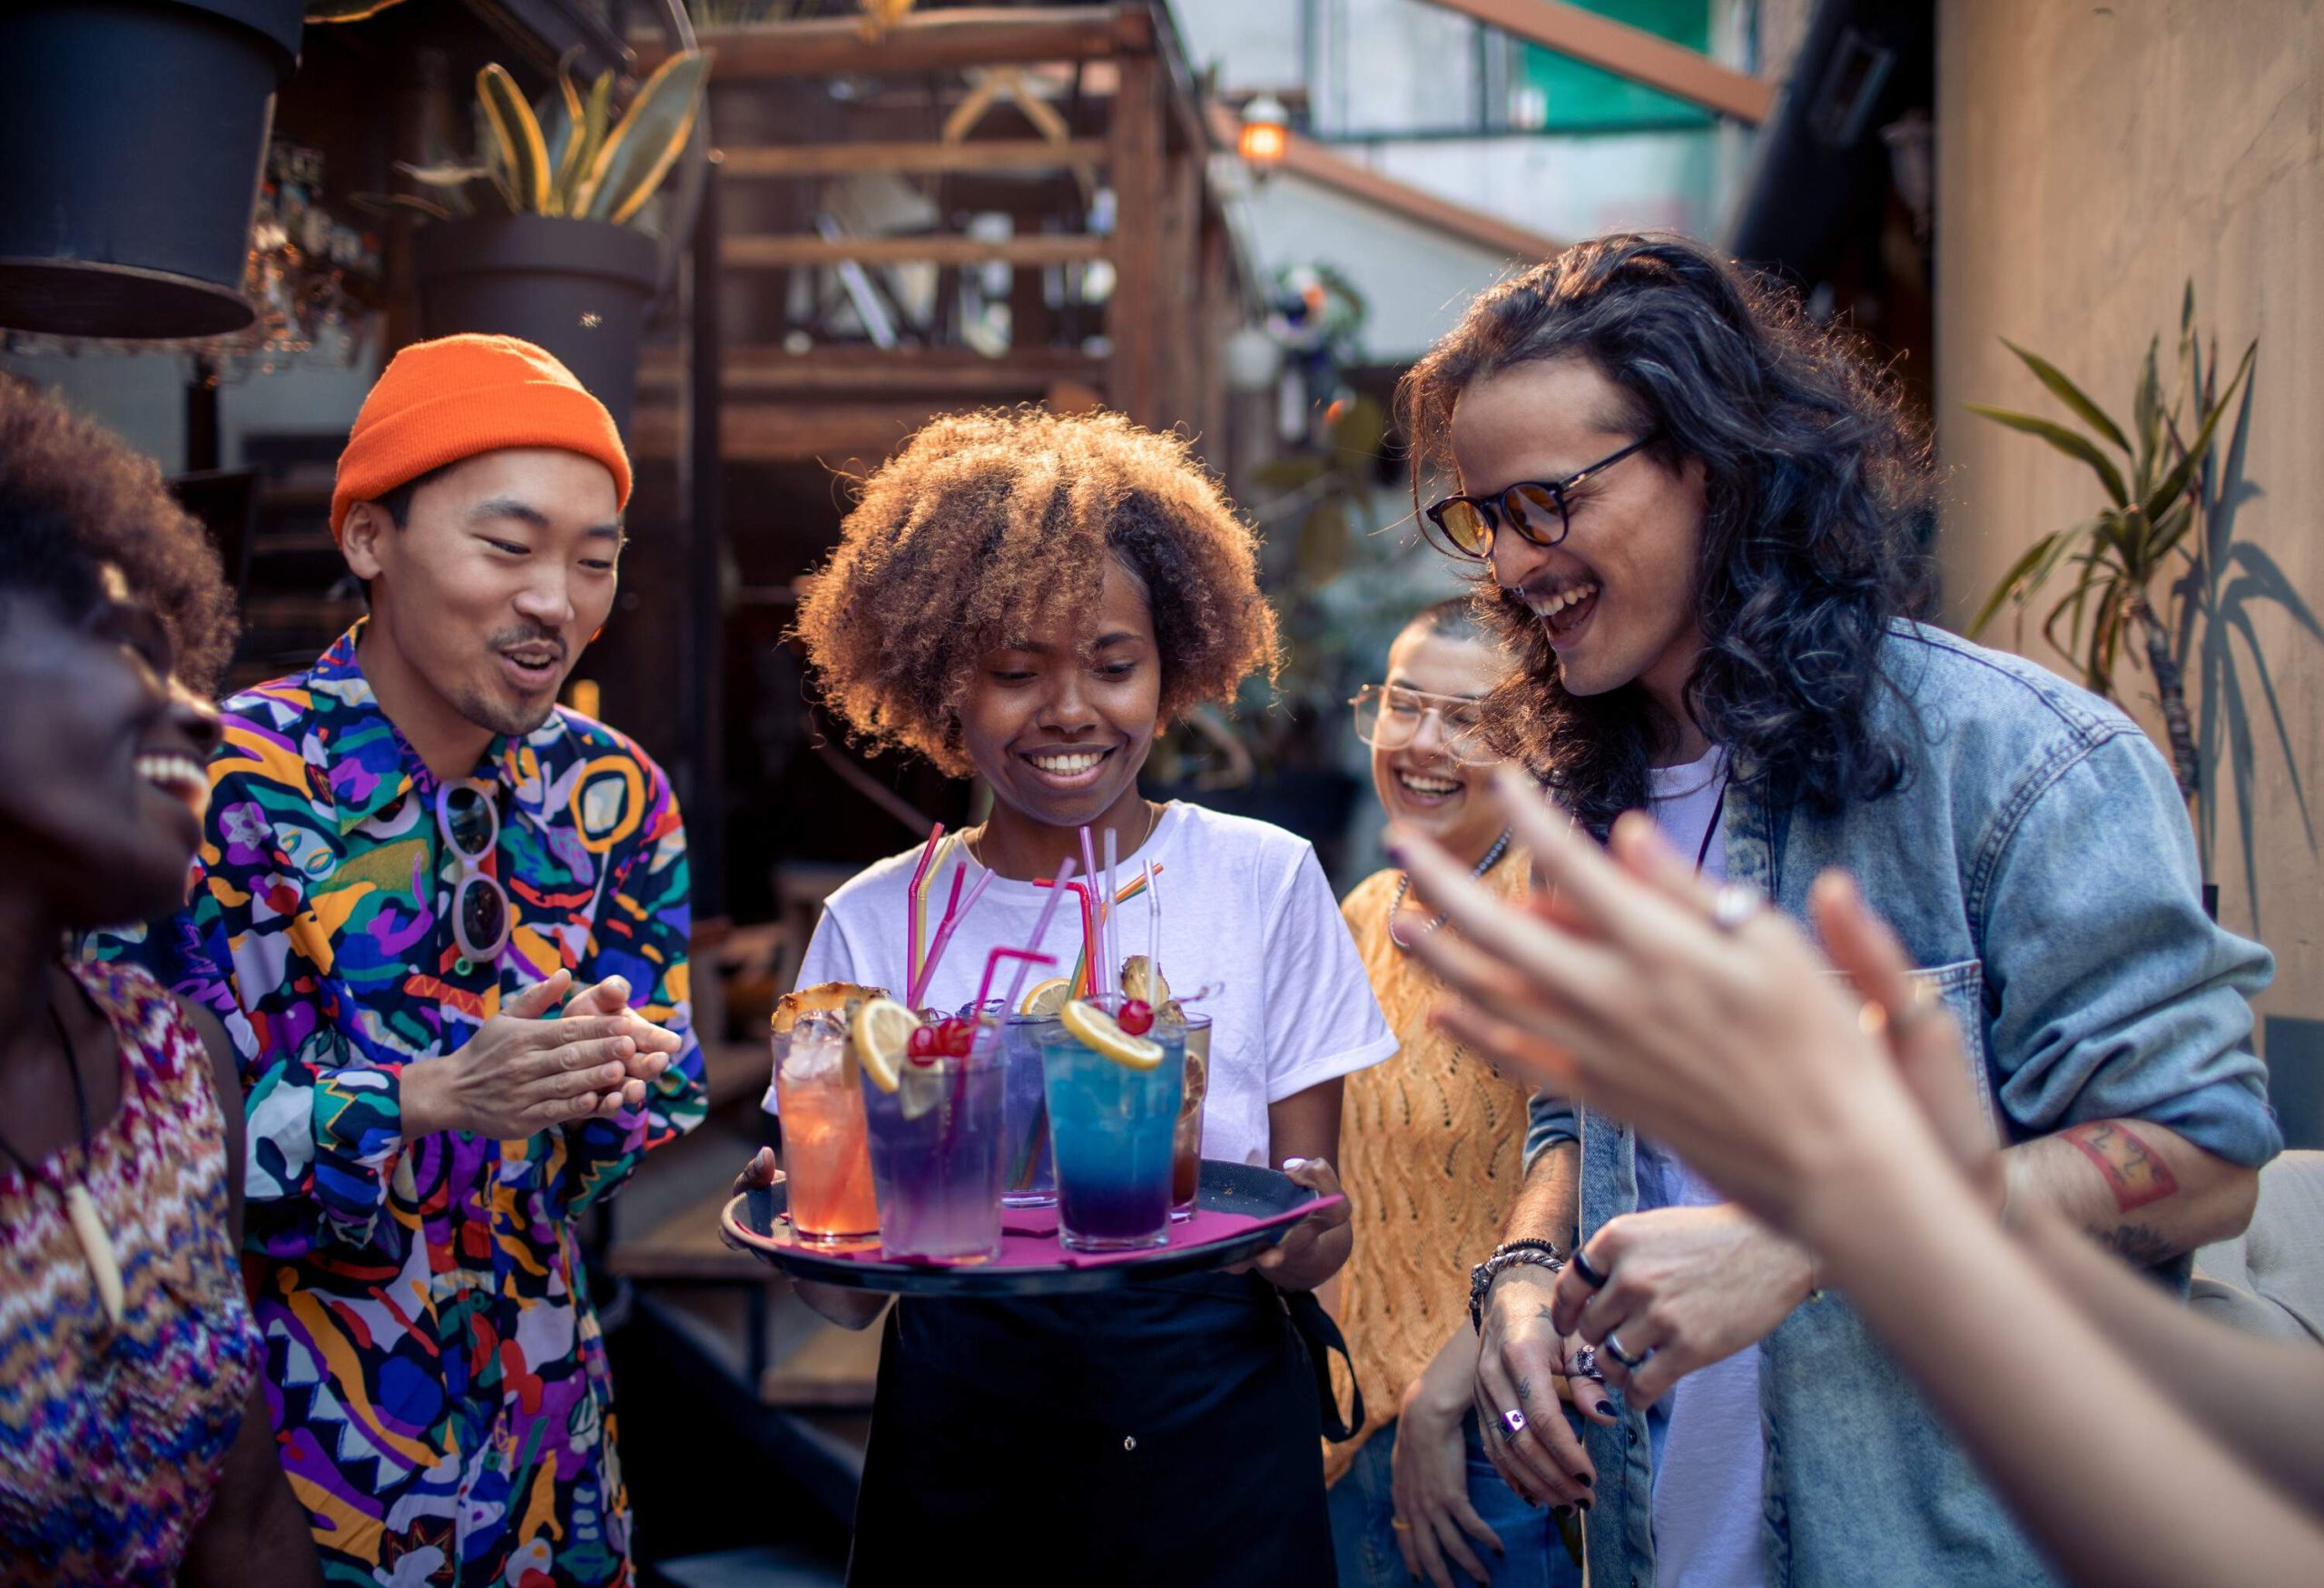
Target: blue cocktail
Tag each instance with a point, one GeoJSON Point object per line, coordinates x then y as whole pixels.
{"type": "Point", "coordinates": [1111, 1124]}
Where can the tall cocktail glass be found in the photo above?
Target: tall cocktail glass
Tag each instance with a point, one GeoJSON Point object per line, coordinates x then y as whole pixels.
{"type": "Point", "coordinates": [826, 1165]}
{"type": "Point", "coordinates": [1111, 1126]}
{"type": "Point", "coordinates": [1027, 1166]}
{"type": "Point", "coordinates": [1030, 1180]}
{"type": "Point", "coordinates": [1185, 1135]}
{"type": "Point", "coordinates": [936, 1155]}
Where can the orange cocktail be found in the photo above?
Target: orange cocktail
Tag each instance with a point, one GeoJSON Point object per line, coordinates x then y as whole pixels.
{"type": "Point", "coordinates": [826, 1157]}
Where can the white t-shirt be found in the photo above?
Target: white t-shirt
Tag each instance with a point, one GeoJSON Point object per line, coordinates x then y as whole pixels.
{"type": "Point", "coordinates": [1708, 1482]}
{"type": "Point", "coordinates": [1244, 908]}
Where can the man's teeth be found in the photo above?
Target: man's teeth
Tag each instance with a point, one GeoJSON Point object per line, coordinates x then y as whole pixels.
{"type": "Point", "coordinates": [1072, 765]}
{"type": "Point", "coordinates": [1571, 595]}
{"type": "Point", "coordinates": [1429, 785]}
{"type": "Point", "coordinates": [173, 774]}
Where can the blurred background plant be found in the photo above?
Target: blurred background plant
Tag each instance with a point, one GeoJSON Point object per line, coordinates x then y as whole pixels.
{"type": "Point", "coordinates": [2152, 525]}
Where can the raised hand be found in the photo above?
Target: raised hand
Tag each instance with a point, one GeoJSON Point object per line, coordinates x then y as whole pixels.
{"type": "Point", "coordinates": [522, 1073]}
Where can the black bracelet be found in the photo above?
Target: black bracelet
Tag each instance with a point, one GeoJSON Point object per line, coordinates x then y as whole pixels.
{"type": "Point", "coordinates": [1540, 1254]}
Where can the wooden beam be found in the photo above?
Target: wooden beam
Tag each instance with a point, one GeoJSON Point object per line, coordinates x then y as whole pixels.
{"type": "Point", "coordinates": [1035, 249]}
{"type": "Point", "coordinates": [1627, 52]}
{"type": "Point", "coordinates": [1304, 157]}
{"type": "Point", "coordinates": [870, 372]}
{"type": "Point", "coordinates": [913, 159]}
{"type": "Point", "coordinates": [1133, 313]}
{"type": "Point", "coordinates": [929, 41]}
{"type": "Point", "coordinates": [830, 432]}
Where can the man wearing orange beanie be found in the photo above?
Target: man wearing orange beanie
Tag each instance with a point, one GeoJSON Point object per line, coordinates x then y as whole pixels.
{"type": "Point", "coordinates": [413, 858]}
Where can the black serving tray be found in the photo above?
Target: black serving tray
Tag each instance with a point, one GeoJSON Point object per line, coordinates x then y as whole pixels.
{"type": "Point", "coordinates": [755, 1222]}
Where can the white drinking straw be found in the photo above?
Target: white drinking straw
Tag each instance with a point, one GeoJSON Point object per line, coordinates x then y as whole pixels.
{"type": "Point", "coordinates": [1153, 928]}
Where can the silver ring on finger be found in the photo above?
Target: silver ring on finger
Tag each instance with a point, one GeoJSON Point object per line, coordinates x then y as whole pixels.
{"type": "Point", "coordinates": [1735, 904]}
{"type": "Point", "coordinates": [1614, 1348]}
{"type": "Point", "coordinates": [1585, 1364]}
{"type": "Point", "coordinates": [1513, 1422]}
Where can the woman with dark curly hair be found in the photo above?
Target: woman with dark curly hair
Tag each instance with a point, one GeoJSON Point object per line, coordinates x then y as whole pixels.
{"type": "Point", "coordinates": [1031, 596]}
{"type": "Point", "coordinates": [134, 1442]}
{"type": "Point", "coordinates": [1696, 509]}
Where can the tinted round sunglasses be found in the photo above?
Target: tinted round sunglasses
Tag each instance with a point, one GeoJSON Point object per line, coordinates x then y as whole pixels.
{"type": "Point", "coordinates": [1464, 526]}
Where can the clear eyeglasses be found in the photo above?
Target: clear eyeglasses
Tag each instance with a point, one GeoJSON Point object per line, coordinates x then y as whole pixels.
{"type": "Point", "coordinates": [1389, 716]}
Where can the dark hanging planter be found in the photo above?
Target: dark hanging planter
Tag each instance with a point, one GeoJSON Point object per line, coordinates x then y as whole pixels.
{"type": "Point", "coordinates": [578, 288]}
{"type": "Point", "coordinates": [132, 136]}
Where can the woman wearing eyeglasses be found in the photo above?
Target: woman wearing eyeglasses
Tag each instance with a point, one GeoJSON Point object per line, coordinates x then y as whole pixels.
{"type": "Point", "coordinates": [1429, 1143]}
{"type": "Point", "coordinates": [1697, 514]}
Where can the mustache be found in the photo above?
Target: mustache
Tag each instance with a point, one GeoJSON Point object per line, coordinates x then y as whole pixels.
{"type": "Point", "coordinates": [510, 638]}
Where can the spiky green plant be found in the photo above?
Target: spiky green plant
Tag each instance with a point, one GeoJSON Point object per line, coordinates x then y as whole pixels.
{"type": "Point", "coordinates": [569, 156]}
{"type": "Point", "coordinates": [2145, 530]}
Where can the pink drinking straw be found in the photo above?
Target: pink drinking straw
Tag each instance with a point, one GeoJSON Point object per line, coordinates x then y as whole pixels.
{"type": "Point", "coordinates": [1110, 928]}
{"type": "Point", "coordinates": [1057, 885]}
{"type": "Point", "coordinates": [1026, 960]}
{"type": "Point", "coordinates": [952, 918]}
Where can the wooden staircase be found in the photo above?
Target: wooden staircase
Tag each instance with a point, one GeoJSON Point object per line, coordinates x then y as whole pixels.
{"type": "Point", "coordinates": [1105, 97]}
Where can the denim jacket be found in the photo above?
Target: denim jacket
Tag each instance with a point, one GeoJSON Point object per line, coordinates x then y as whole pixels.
{"type": "Point", "coordinates": [2038, 864]}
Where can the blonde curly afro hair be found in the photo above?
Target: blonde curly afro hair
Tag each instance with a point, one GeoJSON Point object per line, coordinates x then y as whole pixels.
{"type": "Point", "coordinates": [988, 527]}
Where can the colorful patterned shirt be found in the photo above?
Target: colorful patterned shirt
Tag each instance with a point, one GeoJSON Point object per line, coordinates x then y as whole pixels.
{"type": "Point", "coordinates": [434, 1366]}
{"type": "Point", "coordinates": [112, 1440]}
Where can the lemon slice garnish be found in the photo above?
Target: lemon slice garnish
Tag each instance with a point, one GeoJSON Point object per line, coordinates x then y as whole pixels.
{"type": "Point", "coordinates": [1047, 997]}
{"type": "Point", "coordinates": [882, 1027]}
{"type": "Point", "coordinates": [1096, 1030]}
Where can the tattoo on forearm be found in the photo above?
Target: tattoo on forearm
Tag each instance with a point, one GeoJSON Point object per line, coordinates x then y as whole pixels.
{"type": "Point", "coordinates": [2140, 1245]}
{"type": "Point", "coordinates": [2134, 1171]}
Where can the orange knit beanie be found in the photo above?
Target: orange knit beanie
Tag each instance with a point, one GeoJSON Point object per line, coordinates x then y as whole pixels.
{"type": "Point", "coordinates": [440, 401]}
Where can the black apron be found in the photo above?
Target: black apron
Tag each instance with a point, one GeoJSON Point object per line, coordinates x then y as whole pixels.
{"type": "Point", "coordinates": [1164, 1434]}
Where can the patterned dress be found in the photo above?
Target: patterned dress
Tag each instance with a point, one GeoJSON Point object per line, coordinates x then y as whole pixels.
{"type": "Point", "coordinates": [434, 1365]}
{"type": "Point", "coordinates": [112, 1440]}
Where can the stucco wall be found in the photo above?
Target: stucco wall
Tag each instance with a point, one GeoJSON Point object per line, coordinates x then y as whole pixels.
{"type": "Point", "coordinates": [2091, 159]}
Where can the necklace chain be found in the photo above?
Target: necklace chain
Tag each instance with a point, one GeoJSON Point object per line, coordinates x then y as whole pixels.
{"type": "Point", "coordinates": [1153, 820]}
{"type": "Point", "coordinates": [80, 1207]}
{"type": "Point", "coordinates": [1404, 883]}
{"type": "Point", "coordinates": [80, 1092]}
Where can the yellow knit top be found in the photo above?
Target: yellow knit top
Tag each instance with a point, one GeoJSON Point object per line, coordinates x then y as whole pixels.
{"type": "Point", "coordinates": [1431, 1149]}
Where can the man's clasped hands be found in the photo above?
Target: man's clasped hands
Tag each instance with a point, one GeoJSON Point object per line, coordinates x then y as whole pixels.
{"type": "Point", "coordinates": [528, 1069]}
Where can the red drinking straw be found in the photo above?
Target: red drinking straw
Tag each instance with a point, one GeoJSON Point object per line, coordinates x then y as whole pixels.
{"type": "Point", "coordinates": [1093, 925]}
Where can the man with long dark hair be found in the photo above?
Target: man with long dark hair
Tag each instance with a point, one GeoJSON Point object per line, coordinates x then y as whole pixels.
{"type": "Point", "coordinates": [1696, 516]}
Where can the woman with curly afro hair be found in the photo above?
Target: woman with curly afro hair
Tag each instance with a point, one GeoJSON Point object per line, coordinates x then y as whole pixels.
{"type": "Point", "coordinates": [139, 1448]}
{"type": "Point", "coordinates": [1030, 598]}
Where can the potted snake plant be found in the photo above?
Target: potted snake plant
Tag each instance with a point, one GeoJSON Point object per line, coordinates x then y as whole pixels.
{"type": "Point", "coordinates": [538, 236]}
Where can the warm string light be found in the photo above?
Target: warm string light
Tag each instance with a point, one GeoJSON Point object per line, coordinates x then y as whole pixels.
{"type": "Point", "coordinates": [1266, 136]}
